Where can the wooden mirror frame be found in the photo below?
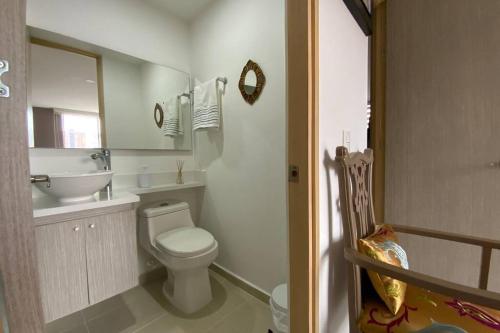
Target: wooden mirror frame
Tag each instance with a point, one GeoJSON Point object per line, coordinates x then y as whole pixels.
{"type": "Point", "coordinates": [261, 81]}
{"type": "Point", "coordinates": [158, 111]}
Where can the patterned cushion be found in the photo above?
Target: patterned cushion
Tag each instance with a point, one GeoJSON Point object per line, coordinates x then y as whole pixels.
{"type": "Point", "coordinates": [427, 312]}
{"type": "Point", "coordinates": [383, 245]}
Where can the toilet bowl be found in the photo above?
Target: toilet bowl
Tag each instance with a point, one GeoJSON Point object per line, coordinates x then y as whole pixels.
{"type": "Point", "coordinates": [167, 231]}
{"type": "Point", "coordinates": [279, 308]}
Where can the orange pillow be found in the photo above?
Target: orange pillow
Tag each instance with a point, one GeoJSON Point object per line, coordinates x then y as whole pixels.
{"type": "Point", "coordinates": [383, 246]}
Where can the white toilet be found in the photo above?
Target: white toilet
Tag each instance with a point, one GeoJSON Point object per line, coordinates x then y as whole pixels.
{"type": "Point", "coordinates": [167, 231]}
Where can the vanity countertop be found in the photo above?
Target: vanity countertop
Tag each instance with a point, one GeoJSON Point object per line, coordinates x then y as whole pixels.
{"type": "Point", "coordinates": [46, 206]}
{"type": "Point", "coordinates": [165, 187]}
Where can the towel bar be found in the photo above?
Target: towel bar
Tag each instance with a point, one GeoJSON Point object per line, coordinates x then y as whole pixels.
{"type": "Point", "coordinates": [222, 79]}
{"type": "Point", "coordinates": [219, 79]}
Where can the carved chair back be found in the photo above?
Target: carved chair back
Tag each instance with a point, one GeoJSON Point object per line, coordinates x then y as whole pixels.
{"type": "Point", "coordinates": [356, 194]}
{"type": "Point", "coordinates": [358, 217]}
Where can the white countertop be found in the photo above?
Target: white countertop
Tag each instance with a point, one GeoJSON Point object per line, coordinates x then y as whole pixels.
{"type": "Point", "coordinates": [46, 206]}
{"type": "Point", "coordinates": [125, 191]}
{"type": "Point", "coordinates": [164, 187]}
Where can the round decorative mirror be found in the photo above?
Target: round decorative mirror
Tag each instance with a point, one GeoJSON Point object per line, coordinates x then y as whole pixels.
{"type": "Point", "coordinates": [252, 82]}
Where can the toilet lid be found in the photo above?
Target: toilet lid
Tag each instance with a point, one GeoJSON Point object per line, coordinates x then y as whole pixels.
{"type": "Point", "coordinates": [279, 298]}
{"type": "Point", "coordinates": [185, 242]}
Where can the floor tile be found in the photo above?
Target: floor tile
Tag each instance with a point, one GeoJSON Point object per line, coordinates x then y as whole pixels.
{"type": "Point", "coordinates": [73, 323]}
{"type": "Point", "coordinates": [225, 301]}
{"type": "Point", "coordinates": [126, 313]}
{"type": "Point", "coordinates": [251, 317]}
{"type": "Point", "coordinates": [144, 309]}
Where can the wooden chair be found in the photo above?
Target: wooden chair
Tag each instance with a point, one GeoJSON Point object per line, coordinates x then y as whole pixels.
{"type": "Point", "coordinates": [359, 221]}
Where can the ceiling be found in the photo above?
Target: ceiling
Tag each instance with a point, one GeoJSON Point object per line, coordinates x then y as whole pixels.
{"type": "Point", "coordinates": [185, 9]}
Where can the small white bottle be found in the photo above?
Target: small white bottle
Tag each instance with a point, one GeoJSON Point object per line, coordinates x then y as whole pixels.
{"type": "Point", "coordinates": [144, 177]}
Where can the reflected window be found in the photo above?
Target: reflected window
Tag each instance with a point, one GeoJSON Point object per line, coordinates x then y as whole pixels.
{"type": "Point", "coordinates": [56, 128]}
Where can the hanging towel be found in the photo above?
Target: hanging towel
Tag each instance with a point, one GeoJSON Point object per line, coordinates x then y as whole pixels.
{"type": "Point", "coordinates": [172, 122]}
{"type": "Point", "coordinates": [207, 111]}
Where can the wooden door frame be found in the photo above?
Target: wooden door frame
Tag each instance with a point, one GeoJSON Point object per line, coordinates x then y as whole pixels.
{"type": "Point", "coordinates": [303, 129]}
{"type": "Point", "coordinates": [378, 105]}
{"type": "Point", "coordinates": [17, 229]}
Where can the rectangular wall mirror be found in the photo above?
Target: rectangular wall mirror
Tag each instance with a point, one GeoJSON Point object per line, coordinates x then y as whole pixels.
{"type": "Point", "coordinates": [86, 96]}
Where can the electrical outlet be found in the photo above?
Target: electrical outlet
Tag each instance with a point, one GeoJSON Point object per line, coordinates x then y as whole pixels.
{"type": "Point", "coordinates": [346, 139]}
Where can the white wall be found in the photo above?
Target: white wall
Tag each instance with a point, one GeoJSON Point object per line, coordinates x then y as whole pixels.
{"type": "Point", "coordinates": [245, 201]}
{"type": "Point", "coordinates": [343, 96]}
{"type": "Point", "coordinates": [126, 26]}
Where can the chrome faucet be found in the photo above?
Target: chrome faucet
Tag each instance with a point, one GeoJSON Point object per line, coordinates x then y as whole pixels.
{"type": "Point", "coordinates": [105, 157]}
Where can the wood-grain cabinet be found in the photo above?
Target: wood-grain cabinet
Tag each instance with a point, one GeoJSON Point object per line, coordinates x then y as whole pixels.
{"type": "Point", "coordinates": [85, 258]}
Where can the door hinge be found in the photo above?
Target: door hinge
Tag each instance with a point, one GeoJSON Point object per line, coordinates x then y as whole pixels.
{"type": "Point", "coordinates": [293, 173]}
{"type": "Point", "coordinates": [4, 68]}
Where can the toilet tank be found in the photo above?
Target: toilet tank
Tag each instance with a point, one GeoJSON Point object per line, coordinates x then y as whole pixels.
{"type": "Point", "coordinates": [161, 216]}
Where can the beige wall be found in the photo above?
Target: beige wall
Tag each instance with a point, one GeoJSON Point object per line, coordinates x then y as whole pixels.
{"type": "Point", "coordinates": [443, 81]}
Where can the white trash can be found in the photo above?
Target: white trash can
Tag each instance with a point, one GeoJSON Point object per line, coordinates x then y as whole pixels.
{"type": "Point", "coordinates": [279, 307]}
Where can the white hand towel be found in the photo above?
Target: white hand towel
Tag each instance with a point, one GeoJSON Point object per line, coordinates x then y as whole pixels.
{"type": "Point", "coordinates": [172, 122]}
{"type": "Point", "coordinates": [207, 111]}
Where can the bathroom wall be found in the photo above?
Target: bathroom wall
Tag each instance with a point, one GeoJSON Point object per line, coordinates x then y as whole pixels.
{"type": "Point", "coordinates": [343, 98]}
{"type": "Point", "coordinates": [127, 26]}
{"type": "Point", "coordinates": [244, 205]}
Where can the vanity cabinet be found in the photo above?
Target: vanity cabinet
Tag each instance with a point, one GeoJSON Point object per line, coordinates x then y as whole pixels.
{"type": "Point", "coordinates": [85, 260]}
{"type": "Point", "coordinates": [61, 268]}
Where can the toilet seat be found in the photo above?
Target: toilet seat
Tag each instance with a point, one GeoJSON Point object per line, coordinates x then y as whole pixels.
{"type": "Point", "coordinates": [185, 242]}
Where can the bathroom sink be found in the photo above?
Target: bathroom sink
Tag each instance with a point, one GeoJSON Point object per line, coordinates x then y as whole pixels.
{"type": "Point", "coordinates": [75, 186]}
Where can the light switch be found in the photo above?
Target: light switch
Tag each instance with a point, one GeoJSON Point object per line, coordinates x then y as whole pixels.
{"type": "Point", "coordinates": [346, 139]}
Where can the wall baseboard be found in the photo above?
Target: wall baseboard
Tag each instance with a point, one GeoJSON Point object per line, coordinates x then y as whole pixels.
{"type": "Point", "coordinates": [241, 283]}
{"type": "Point", "coordinates": [161, 273]}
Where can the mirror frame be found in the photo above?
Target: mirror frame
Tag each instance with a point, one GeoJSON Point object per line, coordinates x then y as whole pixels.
{"type": "Point", "coordinates": [261, 81]}
{"type": "Point", "coordinates": [100, 91]}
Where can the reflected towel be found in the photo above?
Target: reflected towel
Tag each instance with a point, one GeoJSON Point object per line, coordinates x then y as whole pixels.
{"type": "Point", "coordinates": [207, 111]}
{"type": "Point", "coordinates": [172, 122]}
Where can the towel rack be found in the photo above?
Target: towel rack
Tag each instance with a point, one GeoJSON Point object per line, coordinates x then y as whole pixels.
{"type": "Point", "coordinates": [222, 79]}
{"type": "Point", "coordinates": [187, 95]}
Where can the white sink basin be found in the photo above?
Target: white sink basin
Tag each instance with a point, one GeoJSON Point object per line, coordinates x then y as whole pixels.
{"type": "Point", "coordinates": [75, 186]}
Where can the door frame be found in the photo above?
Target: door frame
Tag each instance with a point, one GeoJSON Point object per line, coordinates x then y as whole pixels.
{"type": "Point", "coordinates": [18, 262]}
{"type": "Point", "coordinates": [378, 100]}
{"type": "Point", "coordinates": [303, 129]}
{"type": "Point", "coordinates": [17, 229]}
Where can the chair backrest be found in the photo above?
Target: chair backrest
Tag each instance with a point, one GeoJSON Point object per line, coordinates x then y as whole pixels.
{"type": "Point", "coordinates": [356, 194]}
{"type": "Point", "coordinates": [355, 181]}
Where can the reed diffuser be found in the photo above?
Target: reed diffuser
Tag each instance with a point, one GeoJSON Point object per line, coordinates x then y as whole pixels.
{"type": "Point", "coordinates": [180, 165]}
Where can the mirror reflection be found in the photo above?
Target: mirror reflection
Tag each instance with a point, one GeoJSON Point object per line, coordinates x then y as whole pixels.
{"type": "Point", "coordinates": [64, 108]}
{"type": "Point", "coordinates": [85, 96]}
{"type": "Point", "coordinates": [250, 82]}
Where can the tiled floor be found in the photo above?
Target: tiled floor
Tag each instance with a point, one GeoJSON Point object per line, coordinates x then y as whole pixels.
{"type": "Point", "coordinates": [145, 310]}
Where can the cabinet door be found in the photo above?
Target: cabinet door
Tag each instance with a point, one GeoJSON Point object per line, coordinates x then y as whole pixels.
{"type": "Point", "coordinates": [111, 254]}
{"type": "Point", "coordinates": [62, 268]}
